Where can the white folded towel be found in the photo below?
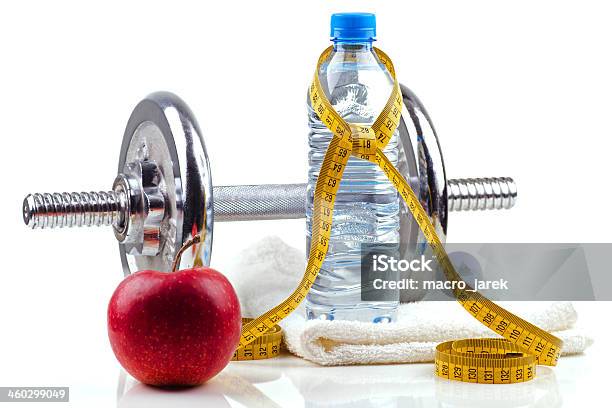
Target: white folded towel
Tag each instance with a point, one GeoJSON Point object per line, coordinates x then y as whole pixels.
{"type": "Point", "coordinates": [266, 273]}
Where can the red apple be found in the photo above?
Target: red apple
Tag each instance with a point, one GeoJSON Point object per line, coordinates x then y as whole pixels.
{"type": "Point", "coordinates": [174, 329]}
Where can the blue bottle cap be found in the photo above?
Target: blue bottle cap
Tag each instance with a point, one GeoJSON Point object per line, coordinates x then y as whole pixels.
{"type": "Point", "coordinates": [353, 26]}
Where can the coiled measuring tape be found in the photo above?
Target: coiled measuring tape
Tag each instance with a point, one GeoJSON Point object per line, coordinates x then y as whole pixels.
{"type": "Point", "coordinates": [494, 361]}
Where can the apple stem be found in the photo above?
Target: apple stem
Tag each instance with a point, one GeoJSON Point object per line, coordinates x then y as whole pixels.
{"type": "Point", "coordinates": [177, 259]}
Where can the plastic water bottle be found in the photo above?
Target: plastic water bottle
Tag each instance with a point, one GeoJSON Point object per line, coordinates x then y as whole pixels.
{"type": "Point", "coordinates": [367, 205]}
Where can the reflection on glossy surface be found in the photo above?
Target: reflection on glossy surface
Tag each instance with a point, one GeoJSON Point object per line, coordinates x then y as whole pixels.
{"type": "Point", "coordinates": [291, 381]}
{"type": "Point", "coordinates": [363, 386]}
{"type": "Point", "coordinates": [140, 395]}
{"type": "Point", "coordinates": [542, 391]}
{"type": "Point", "coordinates": [216, 393]}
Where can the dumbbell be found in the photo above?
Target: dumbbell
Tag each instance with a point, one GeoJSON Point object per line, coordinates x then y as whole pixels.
{"type": "Point", "coordinates": [163, 193]}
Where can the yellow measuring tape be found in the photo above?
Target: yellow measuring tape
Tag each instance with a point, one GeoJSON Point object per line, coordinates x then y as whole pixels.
{"type": "Point", "coordinates": [509, 360]}
{"type": "Point", "coordinates": [267, 345]}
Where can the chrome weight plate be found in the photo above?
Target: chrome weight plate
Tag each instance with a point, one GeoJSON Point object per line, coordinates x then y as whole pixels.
{"type": "Point", "coordinates": [163, 130]}
{"type": "Point", "coordinates": [422, 164]}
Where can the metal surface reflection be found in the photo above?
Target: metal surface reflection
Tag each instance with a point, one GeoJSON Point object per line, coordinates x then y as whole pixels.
{"type": "Point", "coordinates": [163, 130]}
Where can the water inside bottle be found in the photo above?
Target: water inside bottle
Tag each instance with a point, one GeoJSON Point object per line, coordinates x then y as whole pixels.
{"type": "Point", "coordinates": [367, 204]}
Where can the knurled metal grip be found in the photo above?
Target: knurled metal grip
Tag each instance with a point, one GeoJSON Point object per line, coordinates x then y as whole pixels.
{"type": "Point", "coordinates": [287, 201]}
{"type": "Point", "coordinates": [260, 202]}
{"type": "Point", "coordinates": [163, 193]}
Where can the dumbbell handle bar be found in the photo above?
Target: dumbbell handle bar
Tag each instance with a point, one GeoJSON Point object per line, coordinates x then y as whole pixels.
{"type": "Point", "coordinates": [243, 203]}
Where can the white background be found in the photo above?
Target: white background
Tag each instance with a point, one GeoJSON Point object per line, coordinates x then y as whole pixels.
{"type": "Point", "coordinates": [517, 89]}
